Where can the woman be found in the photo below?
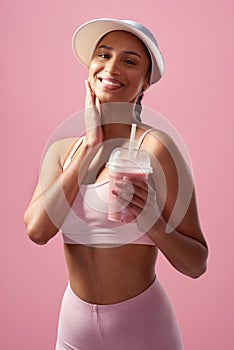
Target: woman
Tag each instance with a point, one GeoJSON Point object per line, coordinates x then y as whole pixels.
{"type": "Point", "coordinates": [114, 300]}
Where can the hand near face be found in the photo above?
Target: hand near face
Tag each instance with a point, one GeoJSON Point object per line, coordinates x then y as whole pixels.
{"type": "Point", "coordinates": [94, 134]}
{"type": "Point", "coordinates": [140, 198]}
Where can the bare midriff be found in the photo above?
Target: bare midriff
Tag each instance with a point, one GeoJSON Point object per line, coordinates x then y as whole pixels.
{"type": "Point", "coordinates": [110, 275]}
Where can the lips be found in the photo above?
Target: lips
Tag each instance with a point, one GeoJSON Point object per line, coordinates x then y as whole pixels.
{"type": "Point", "coordinates": [110, 82]}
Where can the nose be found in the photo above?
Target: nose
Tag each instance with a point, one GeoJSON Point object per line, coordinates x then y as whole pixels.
{"type": "Point", "coordinates": [112, 66]}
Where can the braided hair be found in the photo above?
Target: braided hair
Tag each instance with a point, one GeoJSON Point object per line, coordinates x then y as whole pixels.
{"type": "Point", "coordinates": [138, 107]}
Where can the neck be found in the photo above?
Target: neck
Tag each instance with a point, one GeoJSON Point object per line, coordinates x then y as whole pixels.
{"type": "Point", "coordinates": [117, 113]}
{"type": "Point", "coordinates": [117, 119]}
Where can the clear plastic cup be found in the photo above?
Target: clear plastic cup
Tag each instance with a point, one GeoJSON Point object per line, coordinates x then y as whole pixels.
{"type": "Point", "coordinates": [120, 165]}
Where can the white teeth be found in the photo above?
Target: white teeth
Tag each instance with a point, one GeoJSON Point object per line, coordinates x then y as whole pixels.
{"type": "Point", "coordinates": [108, 82]}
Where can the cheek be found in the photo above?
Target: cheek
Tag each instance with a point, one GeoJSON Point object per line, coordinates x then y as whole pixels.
{"type": "Point", "coordinates": [94, 67]}
{"type": "Point", "coordinates": [138, 86]}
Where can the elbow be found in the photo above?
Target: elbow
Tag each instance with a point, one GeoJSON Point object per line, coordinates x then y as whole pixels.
{"type": "Point", "coordinates": [36, 236]}
{"type": "Point", "coordinates": [196, 273]}
{"type": "Point", "coordinates": [33, 234]}
{"type": "Point", "coordinates": [38, 233]}
{"type": "Point", "coordinates": [195, 268]}
{"type": "Point", "coordinates": [200, 264]}
{"type": "Point", "coordinates": [200, 267]}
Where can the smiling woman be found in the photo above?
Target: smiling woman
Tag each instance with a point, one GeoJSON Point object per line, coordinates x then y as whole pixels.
{"type": "Point", "coordinates": [114, 299]}
{"type": "Point", "coordinates": [119, 69]}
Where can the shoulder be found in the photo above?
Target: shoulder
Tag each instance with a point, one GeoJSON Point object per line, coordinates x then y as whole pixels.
{"type": "Point", "coordinates": [58, 150]}
{"type": "Point", "coordinates": [167, 154]}
{"type": "Point", "coordinates": [158, 142]}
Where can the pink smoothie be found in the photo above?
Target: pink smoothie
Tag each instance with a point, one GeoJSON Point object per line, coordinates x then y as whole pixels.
{"type": "Point", "coordinates": [116, 210]}
{"type": "Point", "coordinates": [121, 164]}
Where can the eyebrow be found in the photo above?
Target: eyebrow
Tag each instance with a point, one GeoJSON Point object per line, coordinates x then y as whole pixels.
{"type": "Point", "coordinates": [126, 52]}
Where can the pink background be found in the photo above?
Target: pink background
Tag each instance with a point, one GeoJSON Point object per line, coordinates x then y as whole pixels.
{"type": "Point", "coordinates": [42, 84]}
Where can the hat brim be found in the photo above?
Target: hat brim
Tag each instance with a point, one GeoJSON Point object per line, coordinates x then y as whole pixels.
{"type": "Point", "coordinates": [87, 36]}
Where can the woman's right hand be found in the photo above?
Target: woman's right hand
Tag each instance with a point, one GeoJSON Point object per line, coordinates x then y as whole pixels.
{"type": "Point", "coordinates": [94, 133]}
{"type": "Point", "coordinates": [56, 189]}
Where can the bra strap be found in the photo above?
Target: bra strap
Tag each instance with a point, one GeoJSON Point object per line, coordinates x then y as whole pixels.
{"type": "Point", "coordinates": [141, 139]}
{"type": "Point", "coordinates": [68, 158]}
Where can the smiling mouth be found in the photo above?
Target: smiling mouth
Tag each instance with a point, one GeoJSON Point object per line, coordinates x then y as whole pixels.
{"type": "Point", "coordinates": [110, 82]}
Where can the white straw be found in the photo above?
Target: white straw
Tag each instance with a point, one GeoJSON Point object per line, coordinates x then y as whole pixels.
{"type": "Point", "coordinates": [132, 137]}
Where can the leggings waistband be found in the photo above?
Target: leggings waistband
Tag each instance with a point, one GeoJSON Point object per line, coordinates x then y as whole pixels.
{"type": "Point", "coordinates": [153, 288]}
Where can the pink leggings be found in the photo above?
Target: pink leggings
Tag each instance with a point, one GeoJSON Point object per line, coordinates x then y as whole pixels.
{"type": "Point", "coordinates": [144, 322]}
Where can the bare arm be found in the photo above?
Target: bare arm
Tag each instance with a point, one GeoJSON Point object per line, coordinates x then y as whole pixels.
{"type": "Point", "coordinates": [176, 232]}
{"type": "Point", "coordinates": [56, 190]}
{"type": "Point", "coordinates": [184, 246]}
{"type": "Point", "coordinates": [54, 195]}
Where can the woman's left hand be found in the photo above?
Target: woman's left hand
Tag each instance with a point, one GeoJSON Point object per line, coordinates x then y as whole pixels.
{"type": "Point", "coordinates": [140, 199]}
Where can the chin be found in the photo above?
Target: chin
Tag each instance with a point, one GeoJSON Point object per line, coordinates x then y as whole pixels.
{"type": "Point", "coordinates": [111, 99]}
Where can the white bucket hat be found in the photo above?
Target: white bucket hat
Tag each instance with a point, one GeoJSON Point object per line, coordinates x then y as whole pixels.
{"type": "Point", "coordinates": [87, 36]}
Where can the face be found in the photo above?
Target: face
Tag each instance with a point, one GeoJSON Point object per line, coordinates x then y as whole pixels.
{"type": "Point", "coordinates": [119, 69]}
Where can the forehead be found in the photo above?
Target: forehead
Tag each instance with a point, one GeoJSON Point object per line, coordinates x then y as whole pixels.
{"type": "Point", "coordinates": [123, 39]}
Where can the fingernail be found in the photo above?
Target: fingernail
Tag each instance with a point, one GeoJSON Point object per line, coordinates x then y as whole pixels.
{"type": "Point", "coordinates": [119, 184]}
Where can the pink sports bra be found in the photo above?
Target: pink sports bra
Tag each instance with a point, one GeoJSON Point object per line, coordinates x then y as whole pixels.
{"type": "Point", "coordinates": [86, 222]}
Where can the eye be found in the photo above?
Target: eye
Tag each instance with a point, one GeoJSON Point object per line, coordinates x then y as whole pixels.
{"type": "Point", "coordinates": [129, 61]}
{"type": "Point", "coordinates": [104, 55]}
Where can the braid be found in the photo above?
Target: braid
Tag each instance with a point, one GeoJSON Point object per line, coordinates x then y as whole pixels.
{"type": "Point", "coordinates": [138, 106]}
